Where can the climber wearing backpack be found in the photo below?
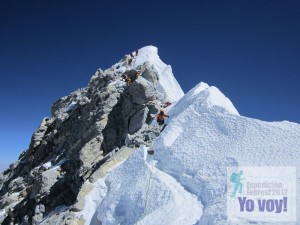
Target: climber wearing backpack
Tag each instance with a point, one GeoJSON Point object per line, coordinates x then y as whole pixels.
{"type": "Point", "coordinates": [160, 118]}
{"type": "Point", "coordinates": [130, 76]}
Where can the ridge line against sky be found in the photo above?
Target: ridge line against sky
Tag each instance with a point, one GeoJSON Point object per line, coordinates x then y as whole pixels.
{"type": "Point", "coordinates": [250, 50]}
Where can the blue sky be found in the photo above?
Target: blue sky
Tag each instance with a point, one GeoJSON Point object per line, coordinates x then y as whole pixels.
{"type": "Point", "coordinates": [250, 50]}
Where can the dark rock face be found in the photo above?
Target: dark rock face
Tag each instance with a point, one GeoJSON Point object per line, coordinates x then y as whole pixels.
{"type": "Point", "coordinates": [138, 120]}
{"type": "Point", "coordinates": [69, 147]}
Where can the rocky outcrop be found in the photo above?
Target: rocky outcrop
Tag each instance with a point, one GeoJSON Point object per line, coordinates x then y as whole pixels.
{"type": "Point", "coordinates": [66, 150]}
{"type": "Point", "coordinates": [141, 91]}
{"type": "Point", "coordinates": [138, 120]}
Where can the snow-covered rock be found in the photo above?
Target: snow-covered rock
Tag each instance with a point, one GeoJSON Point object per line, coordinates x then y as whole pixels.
{"type": "Point", "coordinates": [167, 82]}
{"type": "Point", "coordinates": [47, 165]}
{"type": "Point", "coordinates": [70, 107]}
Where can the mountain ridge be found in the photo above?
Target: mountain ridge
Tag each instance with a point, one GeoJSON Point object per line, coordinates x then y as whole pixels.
{"type": "Point", "coordinates": [199, 143]}
{"type": "Point", "coordinates": [85, 127]}
{"type": "Point", "coordinates": [88, 163]}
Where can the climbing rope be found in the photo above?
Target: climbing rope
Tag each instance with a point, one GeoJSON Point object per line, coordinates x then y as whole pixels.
{"type": "Point", "coordinates": [148, 187]}
{"type": "Point", "coordinates": [147, 191]}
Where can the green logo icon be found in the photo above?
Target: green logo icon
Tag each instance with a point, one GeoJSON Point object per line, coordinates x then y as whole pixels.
{"type": "Point", "coordinates": [236, 179]}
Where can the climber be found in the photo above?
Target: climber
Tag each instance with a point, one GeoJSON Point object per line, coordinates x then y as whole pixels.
{"type": "Point", "coordinates": [136, 52]}
{"type": "Point", "coordinates": [167, 104]}
{"type": "Point", "coordinates": [160, 118]}
{"type": "Point", "coordinates": [130, 60]}
{"type": "Point", "coordinates": [132, 56]}
{"type": "Point", "coordinates": [130, 76]}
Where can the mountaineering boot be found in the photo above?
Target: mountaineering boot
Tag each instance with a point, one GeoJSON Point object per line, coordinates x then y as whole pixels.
{"type": "Point", "coordinates": [163, 127]}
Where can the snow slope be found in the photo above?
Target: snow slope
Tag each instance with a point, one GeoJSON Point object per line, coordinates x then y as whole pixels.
{"type": "Point", "coordinates": [129, 200]}
{"type": "Point", "coordinates": [185, 182]}
{"type": "Point", "coordinates": [206, 135]}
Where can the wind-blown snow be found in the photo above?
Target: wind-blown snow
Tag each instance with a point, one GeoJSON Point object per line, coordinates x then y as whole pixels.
{"type": "Point", "coordinates": [185, 182]}
{"type": "Point", "coordinates": [92, 201]}
{"type": "Point", "coordinates": [133, 197]}
{"type": "Point", "coordinates": [205, 135]}
{"type": "Point", "coordinates": [167, 81]}
{"type": "Point", "coordinates": [204, 98]}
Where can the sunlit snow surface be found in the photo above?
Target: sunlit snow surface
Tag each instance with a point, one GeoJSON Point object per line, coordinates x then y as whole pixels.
{"type": "Point", "coordinates": [205, 135]}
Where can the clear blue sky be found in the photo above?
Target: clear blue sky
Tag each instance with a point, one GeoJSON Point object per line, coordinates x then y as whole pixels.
{"type": "Point", "coordinates": [249, 49]}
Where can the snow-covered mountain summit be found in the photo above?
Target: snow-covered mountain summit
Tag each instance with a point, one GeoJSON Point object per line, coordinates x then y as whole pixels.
{"type": "Point", "coordinates": [88, 163]}
{"type": "Point", "coordinates": [167, 83]}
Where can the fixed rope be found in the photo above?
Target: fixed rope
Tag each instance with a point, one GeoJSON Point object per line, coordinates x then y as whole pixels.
{"type": "Point", "coordinates": [148, 186]}
{"type": "Point", "coordinates": [147, 192]}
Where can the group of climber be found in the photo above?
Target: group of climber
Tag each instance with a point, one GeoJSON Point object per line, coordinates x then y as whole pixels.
{"type": "Point", "coordinates": [130, 76]}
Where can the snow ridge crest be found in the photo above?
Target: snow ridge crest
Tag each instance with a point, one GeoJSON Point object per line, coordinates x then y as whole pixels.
{"type": "Point", "coordinates": [204, 98]}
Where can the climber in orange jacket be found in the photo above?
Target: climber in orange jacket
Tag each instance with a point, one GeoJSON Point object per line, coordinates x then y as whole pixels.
{"type": "Point", "coordinates": [130, 76]}
{"type": "Point", "coordinates": [160, 118]}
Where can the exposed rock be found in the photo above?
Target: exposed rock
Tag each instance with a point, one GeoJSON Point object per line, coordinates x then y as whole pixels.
{"type": "Point", "coordinates": [38, 215]}
{"type": "Point", "coordinates": [142, 91]}
{"type": "Point", "coordinates": [76, 222]}
{"type": "Point", "coordinates": [89, 131]}
{"type": "Point", "coordinates": [44, 183]}
{"type": "Point", "coordinates": [150, 74]}
{"type": "Point", "coordinates": [90, 153]}
{"type": "Point", "coordinates": [16, 184]}
{"type": "Point", "coordinates": [138, 120]}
